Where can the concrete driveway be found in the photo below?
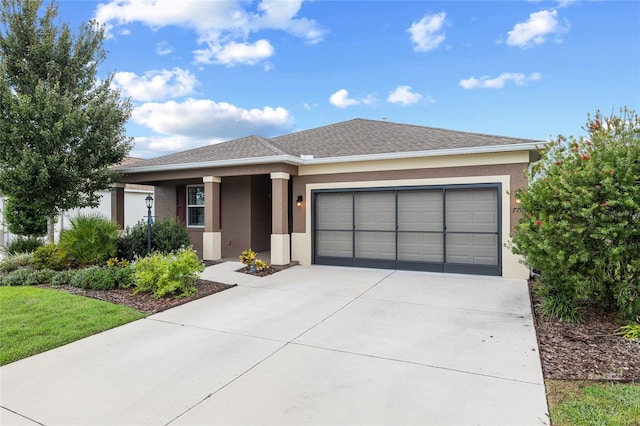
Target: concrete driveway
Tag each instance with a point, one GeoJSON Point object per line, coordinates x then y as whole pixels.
{"type": "Point", "coordinates": [308, 345]}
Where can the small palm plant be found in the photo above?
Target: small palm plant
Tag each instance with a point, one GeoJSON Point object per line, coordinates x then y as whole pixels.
{"type": "Point", "coordinates": [91, 239]}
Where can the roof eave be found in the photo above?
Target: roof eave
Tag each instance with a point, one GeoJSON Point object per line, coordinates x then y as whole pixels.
{"type": "Point", "coordinates": [430, 153]}
{"type": "Point", "coordinates": [287, 159]}
{"type": "Point", "coordinates": [296, 161]}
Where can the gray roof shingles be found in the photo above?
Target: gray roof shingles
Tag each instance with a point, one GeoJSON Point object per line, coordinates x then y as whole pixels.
{"type": "Point", "coordinates": [349, 138]}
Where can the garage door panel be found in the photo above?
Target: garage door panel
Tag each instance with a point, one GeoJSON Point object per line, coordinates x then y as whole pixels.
{"type": "Point", "coordinates": [420, 210]}
{"type": "Point", "coordinates": [473, 249]}
{"type": "Point", "coordinates": [473, 210]}
{"type": "Point", "coordinates": [334, 244]}
{"type": "Point", "coordinates": [420, 247]}
{"type": "Point", "coordinates": [375, 245]}
{"type": "Point", "coordinates": [375, 211]}
{"type": "Point", "coordinates": [334, 211]}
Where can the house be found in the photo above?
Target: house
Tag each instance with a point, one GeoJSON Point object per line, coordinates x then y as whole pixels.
{"type": "Point", "coordinates": [133, 197]}
{"type": "Point", "coordinates": [357, 193]}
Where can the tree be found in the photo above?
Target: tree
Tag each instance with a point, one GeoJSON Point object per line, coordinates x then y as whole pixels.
{"type": "Point", "coordinates": [581, 224]}
{"type": "Point", "coordinates": [24, 219]}
{"type": "Point", "coordinates": [61, 127]}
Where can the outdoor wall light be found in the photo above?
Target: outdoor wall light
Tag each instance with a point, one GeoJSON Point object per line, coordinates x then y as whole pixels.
{"type": "Point", "coordinates": [299, 201]}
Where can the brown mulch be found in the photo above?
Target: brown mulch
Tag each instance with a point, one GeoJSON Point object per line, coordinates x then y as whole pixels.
{"type": "Point", "coordinates": [587, 351]}
{"type": "Point", "coordinates": [143, 301]}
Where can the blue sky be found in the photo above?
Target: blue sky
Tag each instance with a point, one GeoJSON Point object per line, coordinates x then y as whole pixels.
{"type": "Point", "coordinates": [201, 72]}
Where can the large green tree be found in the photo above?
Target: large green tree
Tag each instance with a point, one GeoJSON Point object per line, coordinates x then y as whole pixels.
{"type": "Point", "coordinates": [61, 126]}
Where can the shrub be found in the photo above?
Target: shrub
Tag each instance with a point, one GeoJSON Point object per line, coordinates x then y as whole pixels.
{"type": "Point", "coordinates": [11, 262]}
{"type": "Point", "coordinates": [91, 239]}
{"type": "Point", "coordinates": [162, 274]}
{"type": "Point", "coordinates": [19, 277]}
{"type": "Point", "coordinates": [166, 236]}
{"type": "Point", "coordinates": [248, 258]}
{"type": "Point", "coordinates": [63, 277]}
{"type": "Point", "coordinates": [50, 256]}
{"type": "Point", "coordinates": [580, 223]}
{"type": "Point", "coordinates": [98, 278]}
{"type": "Point", "coordinates": [23, 245]}
{"type": "Point", "coordinates": [40, 277]}
{"type": "Point", "coordinates": [630, 331]}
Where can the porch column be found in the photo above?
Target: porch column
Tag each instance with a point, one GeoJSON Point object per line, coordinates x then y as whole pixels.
{"type": "Point", "coordinates": [280, 239]}
{"type": "Point", "coordinates": [211, 237]}
{"type": "Point", "coordinates": [117, 204]}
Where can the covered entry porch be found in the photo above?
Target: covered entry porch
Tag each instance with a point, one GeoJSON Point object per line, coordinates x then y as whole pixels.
{"type": "Point", "coordinates": [226, 210]}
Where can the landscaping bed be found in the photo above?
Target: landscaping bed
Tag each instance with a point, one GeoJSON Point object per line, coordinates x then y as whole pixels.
{"type": "Point", "coordinates": [587, 351]}
{"type": "Point", "coordinates": [144, 302]}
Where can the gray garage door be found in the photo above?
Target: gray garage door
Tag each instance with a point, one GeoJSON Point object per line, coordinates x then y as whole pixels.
{"type": "Point", "coordinates": [444, 229]}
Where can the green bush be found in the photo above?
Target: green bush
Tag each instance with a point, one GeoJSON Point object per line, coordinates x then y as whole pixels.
{"type": "Point", "coordinates": [162, 274]}
{"type": "Point", "coordinates": [11, 262]}
{"type": "Point", "coordinates": [19, 277]}
{"type": "Point", "coordinates": [580, 227]}
{"type": "Point", "coordinates": [23, 245]}
{"type": "Point", "coordinates": [166, 236]}
{"type": "Point", "coordinates": [25, 217]}
{"type": "Point", "coordinates": [63, 278]}
{"type": "Point", "coordinates": [98, 278]}
{"type": "Point", "coordinates": [91, 239]}
{"type": "Point", "coordinates": [50, 256]}
{"type": "Point", "coordinates": [40, 277]}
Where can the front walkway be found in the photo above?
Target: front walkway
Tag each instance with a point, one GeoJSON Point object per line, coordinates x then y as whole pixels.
{"type": "Point", "coordinates": [308, 345]}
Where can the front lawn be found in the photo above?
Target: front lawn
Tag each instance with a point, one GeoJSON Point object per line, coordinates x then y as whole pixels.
{"type": "Point", "coordinates": [34, 320]}
{"type": "Point", "coordinates": [590, 403]}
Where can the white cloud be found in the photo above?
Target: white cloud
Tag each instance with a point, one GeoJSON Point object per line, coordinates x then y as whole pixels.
{"type": "Point", "coordinates": [403, 95]}
{"type": "Point", "coordinates": [233, 53]}
{"type": "Point", "coordinates": [163, 48]}
{"type": "Point", "coordinates": [425, 34]}
{"type": "Point", "coordinates": [540, 26]}
{"type": "Point", "coordinates": [341, 99]}
{"type": "Point", "coordinates": [156, 85]}
{"type": "Point", "coordinates": [205, 119]}
{"type": "Point", "coordinates": [486, 82]}
{"type": "Point", "coordinates": [223, 27]}
{"type": "Point", "coordinates": [154, 146]}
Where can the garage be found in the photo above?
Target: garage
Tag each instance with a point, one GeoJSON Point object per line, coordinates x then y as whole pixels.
{"type": "Point", "coordinates": [452, 228]}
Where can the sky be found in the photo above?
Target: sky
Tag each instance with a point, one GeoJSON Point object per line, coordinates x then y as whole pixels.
{"type": "Point", "coordinates": [207, 71]}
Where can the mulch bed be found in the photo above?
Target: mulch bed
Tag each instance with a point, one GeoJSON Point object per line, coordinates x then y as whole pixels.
{"type": "Point", "coordinates": [143, 301]}
{"type": "Point", "coordinates": [587, 351]}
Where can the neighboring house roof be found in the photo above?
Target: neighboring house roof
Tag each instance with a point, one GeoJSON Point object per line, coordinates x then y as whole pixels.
{"type": "Point", "coordinates": [352, 140]}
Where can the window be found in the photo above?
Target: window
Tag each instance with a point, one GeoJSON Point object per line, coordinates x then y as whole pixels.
{"type": "Point", "coordinates": [195, 205]}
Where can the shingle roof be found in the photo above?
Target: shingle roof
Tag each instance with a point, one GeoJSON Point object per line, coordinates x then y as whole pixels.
{"type": "Point", "coordinates": [357, 137]}
{"type": "Point", "coordinates": [248, 147]}
{"type": "Point", "coordinates": [366, 137]}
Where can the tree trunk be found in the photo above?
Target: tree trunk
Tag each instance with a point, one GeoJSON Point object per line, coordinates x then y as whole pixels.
{"type": "Point", "coordinates": [51, 223]}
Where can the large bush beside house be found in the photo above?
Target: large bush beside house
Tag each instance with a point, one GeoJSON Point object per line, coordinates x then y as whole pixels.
{"type": "Point", "coordinates": [166, 236]}
{"type": "Point", "coordinates": [581, 224]}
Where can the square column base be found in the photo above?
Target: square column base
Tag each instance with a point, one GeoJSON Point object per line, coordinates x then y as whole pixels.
{"type": "Point", "coordinates": [280, 249]}
{"type": "Point", "coordinates": [211, 245]}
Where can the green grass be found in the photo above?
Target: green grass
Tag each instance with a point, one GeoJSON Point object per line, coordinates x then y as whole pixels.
{"type": "Point", "coordinates": [34, 320]}
{"type": "Point", "coordinates": [578, 403]}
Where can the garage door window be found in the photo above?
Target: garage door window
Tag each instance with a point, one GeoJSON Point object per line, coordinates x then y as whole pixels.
{"type": "Point", "coordinates": [453, 228]}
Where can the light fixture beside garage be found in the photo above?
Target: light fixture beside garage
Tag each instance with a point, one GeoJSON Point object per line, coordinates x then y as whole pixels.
{"type": "Point", "coordinates": [299, 201]}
